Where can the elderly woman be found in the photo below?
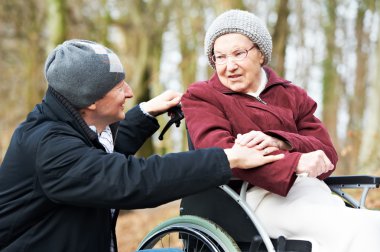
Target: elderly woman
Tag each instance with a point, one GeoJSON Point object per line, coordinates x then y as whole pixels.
{"type": "Point", "coordinates": [246, 102]}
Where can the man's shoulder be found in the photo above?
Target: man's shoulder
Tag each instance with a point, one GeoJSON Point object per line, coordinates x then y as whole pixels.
{"type": "Point", "coordinates": [35, 126]}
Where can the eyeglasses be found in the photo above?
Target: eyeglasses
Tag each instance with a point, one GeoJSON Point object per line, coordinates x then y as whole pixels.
{"type": "Point", "coordinates": [221, 59]}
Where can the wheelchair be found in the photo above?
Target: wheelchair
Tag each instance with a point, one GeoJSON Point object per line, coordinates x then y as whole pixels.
{"type": "Point", "coordinates": [219, 219]}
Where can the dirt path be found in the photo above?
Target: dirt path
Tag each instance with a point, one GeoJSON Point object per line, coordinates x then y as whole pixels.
{"type": "Point", "coordinates": [132, 226]}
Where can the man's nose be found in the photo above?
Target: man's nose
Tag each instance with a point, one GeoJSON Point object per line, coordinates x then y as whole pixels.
{"type": "Point", "coordinates": [128, 91]}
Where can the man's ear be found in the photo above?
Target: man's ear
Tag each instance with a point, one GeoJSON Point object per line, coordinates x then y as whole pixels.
{"type": "Point", "coordinates": [92, 106]}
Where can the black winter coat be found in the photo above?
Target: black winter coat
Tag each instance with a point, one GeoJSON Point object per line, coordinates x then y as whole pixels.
{"type": "Point", "coordinates": [57, 183]}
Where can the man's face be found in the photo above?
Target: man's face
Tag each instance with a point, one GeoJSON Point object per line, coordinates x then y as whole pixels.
{"type": "Point", "coordinates": [110, 108]}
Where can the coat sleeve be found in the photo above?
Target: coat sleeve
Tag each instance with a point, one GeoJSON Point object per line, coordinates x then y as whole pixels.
{"type": "Point", "coordinates": [209, 126]}
{"type": "Point", "coordinates": [71, 172]}
{"type": "Point", "coordinates": [207, 123]}
{"type": "Point", "coordinates": [134, 130]}
{"type": "Point", "coordinates": [311, 135]}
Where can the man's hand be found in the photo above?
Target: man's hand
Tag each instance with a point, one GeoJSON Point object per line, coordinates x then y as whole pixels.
{"type": "Point", "coordinates": [314, 164]}
{"type": "Point", "coordinates": [259, 140]}
{"type": "Point", "coordinates": [245, 158]}
{"type": "Point", "coordinates": [161, 103]}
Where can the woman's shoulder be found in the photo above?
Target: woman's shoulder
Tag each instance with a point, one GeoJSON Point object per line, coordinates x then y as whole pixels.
{"type": "Point", "coordinates": [199, 85]}
{"type": "Point", "coordinates": [199, 89]}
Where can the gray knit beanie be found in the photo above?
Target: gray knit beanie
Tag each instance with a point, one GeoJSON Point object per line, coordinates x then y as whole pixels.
{"type": "Point", "coordinates": [243, 22]}
{"type": "Point", "coordinates": [83, 71]}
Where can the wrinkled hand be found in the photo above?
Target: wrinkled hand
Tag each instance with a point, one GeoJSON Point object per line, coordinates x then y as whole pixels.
{"type": "Point", "coordinates": [245, 158]}
{"type": "Point", "coordinates": [161, 103]}
{"type": "Point", "coordinates": [314, 164]}
{"type": "Point", "coordinates": [260, 141]}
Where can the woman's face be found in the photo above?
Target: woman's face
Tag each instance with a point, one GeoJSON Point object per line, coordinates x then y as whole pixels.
{"type": "Point", "coordinates": [239, 75]}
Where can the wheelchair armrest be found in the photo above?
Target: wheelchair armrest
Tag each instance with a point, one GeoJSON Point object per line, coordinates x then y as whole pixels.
{"type": "Point", "coordinates": [364, 182]}
{"type": "Point", "coordinates": [353, 180]}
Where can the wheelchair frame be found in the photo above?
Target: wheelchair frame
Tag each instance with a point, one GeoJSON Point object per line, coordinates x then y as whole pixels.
{"type": "Point", "coordinates": [336, 184]}
{"type": "Point", "coordinates": [241, 200]}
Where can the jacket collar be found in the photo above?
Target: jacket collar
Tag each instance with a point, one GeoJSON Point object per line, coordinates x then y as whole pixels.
{"type": "Point", "coordinates": [273, 79]}
{"type": "Point", "coordinates": [60, 109]}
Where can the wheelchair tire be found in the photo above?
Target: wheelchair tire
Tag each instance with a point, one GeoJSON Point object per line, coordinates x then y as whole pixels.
{"type": "Point", "coordinates": [189, 233]}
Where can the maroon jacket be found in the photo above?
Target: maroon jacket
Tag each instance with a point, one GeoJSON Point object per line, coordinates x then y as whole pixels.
{"type": "Point", "coordinates": [215, 115]}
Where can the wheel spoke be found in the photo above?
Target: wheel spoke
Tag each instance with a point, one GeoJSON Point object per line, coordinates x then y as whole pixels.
{"type": "Point", "coordinates": [190, 233]}
{"type": "Point", "coordinates": [187, 243]}
{"type": "Point", "coordinates": [169, 241]}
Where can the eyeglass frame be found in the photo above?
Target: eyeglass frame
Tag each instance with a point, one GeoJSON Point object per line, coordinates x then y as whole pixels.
{"type": "Point", "coordinates": [234, 58]}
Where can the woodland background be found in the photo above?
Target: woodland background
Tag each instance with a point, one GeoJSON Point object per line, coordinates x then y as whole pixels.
{"type": "Point", "coordinates": [329, 47]}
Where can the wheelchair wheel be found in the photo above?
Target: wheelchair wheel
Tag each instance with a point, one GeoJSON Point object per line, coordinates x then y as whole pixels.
{"type": "Point", "coordinates": [190, 234]}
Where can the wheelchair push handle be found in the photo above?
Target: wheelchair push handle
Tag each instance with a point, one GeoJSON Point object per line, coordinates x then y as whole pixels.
{"type": "Point", "coordinates": [176, 115]}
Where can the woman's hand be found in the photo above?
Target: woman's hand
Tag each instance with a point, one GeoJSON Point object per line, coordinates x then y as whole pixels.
{"type": "Point", "coordinates": [314, 163]}
{"type": "Point", "coordinates": [260, 141]}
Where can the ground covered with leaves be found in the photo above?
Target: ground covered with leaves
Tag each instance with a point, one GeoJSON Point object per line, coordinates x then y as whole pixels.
{"type": "Point", "coordinates": [132, 226]}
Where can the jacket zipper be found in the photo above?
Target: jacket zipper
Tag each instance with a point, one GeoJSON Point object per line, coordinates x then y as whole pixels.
{"type": "Point", "coordinates": [260, 100]}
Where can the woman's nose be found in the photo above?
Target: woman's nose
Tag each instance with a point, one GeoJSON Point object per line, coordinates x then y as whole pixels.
{"type": "Point", "coordinates": [231, 64]}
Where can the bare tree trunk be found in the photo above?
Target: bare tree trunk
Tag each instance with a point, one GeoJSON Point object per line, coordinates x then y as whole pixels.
{"type": "Point", "coordinates": [280, 37]}
{"type": "Point", "coordinates": [104, 23]}
{"type": "Point", "coordinates": [56, 23]}
{"type": "Point", "coordinates": [356, 101]}
{"type": "Point", "coordinates": [191, 24]}
{"type": "Point", "coordinates": [189, 20]}
{"type": "Point", "coordinates": [369, 158]}
{"type": "Point", "coordinates": [305, 53]}
{"type": "Point", "coordinates": [21, 55]}
{"type": "Point", "coordinates": [143, 28]}
{"type": "Point", "coordinates": [330, 96]}
{"type": "Point", "coordinates": [370, 154]}
{"type": "Point", "coordinates": [33, 55]}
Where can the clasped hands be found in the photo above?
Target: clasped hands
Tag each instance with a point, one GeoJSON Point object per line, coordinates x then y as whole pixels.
{"type": "Point", "coordinates": [311, 164]}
